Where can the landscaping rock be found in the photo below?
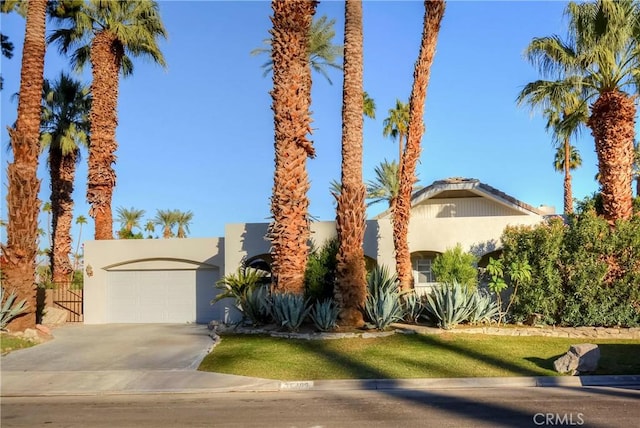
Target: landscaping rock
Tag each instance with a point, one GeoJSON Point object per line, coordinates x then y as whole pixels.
{"type": "Point", "coordinates": [54, 316]}
{"type": "Point", "coordinates": [582, 358]}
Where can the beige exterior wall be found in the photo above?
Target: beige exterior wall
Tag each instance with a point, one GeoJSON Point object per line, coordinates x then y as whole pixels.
{"type": "Point", "coordinates": [462, 207]}
{"type": "Point", "coordinates": [101, 257]}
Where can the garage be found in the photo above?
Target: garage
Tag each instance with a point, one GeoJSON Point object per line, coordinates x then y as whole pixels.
{"type": "Point", "coordinates": [161, 296]}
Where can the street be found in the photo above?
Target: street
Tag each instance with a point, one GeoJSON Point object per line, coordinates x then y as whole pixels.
{"type": "Point", "coordinates": [478, 407]}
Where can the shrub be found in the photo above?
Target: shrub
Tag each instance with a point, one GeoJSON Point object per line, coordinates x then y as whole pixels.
{"type": "Point", "coordinates": [320, 273]}
{"type": "Point", "coordinates": [456, 265]}
{"type": "Point", "coordinates": [9, 308]}
{"type": "Point", "coordinates": [382, 305]}
{"type": "Point", "coordinates": [324, 315]}
{"type": "Point", "coordinates": [289, 310]}
{"type": "Point", "coordinates": [250, 296]}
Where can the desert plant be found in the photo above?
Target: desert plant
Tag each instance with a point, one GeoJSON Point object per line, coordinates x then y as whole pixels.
{"type": "Point", "coordinates": [383, 305]}
{"type": "Point", "coordinates": [497, 284]}
{"type": "Point", "coordinates": [254, 305]}
{"type": "Point", "coordinates": [320, 274]}
{"type": "Point", "coordinates": [10, 308]}
{"type": "Point", "coordinates": [413, 307]}
{"type": "Point", "coordinates": [449, 304]}
{"type": "Point", "coordinates": [483, 308]}
{"type": "Point", "coordinates": [456, 265]}
{"type": "Point", "coordinates": [236, 284]}
{"type": "Point", "coordinates": [289, 310]}
{"type": "Point", "coordinates": [324, 315]}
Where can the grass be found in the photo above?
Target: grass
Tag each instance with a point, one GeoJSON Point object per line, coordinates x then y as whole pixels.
{"type": "Point", "coordinates": [10, 343]}
{"type": "Point", "coordinates": [408, 356]}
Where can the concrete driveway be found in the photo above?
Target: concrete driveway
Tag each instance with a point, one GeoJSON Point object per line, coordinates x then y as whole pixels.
{"type": "Point", "coordinates": [116, 359]}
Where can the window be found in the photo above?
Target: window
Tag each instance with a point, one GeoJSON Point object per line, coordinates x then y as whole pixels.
{"type": "Point", "coordinates": [423, 273]}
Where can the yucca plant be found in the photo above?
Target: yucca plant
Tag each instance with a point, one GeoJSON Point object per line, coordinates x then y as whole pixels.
{"type": "Point", "coordinates": [383, 306]}
{"type": "Point", "coordinates": [449, 304]}
{"type": "Point", "coordinates": [10, 308]}
{"type": "Point", "coordinates": [324, 315]}
{"type": "Point", "coordinates": [483, 308]}
{"type": "Point", "coordinates": [289, 310]}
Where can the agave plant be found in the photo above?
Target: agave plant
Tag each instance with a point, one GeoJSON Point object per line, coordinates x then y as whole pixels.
{"type": "Point", "coordinates": [289, 310]}
{"type": "Point", "coordinates": [413, 307]}
{"type": "Point", "coordinates": [449, 304]}
{"type": "Point", "coordinates": [10, 308]}
{"type": "Point", "coordinates": [383, 306]}
{"type": "Point", "coordinates": [483, 308]}
{"type": "Point", "coordinates": [254, 305]}
{"type": "Point", "coordinates": [324, 315]}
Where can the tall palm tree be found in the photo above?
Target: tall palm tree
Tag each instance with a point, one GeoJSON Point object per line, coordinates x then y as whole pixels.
{"type": "Point", "coordinates": [291, 94]}
{"type": "Point", "coordinates": [166, 219]}
{"type": "Point", "coordinates": [46, 208]}
{"type": "Point", "coordinates": [434, 11]}
{"type": "Point", "coordinates": [323, 53]}
{"type": "Point", "coordinates": [65, 130]}
{"type": "Point", "coordinates": [601, 50]}
{"type": "Point", "coordinates": [128, 219]}
{"type": "Point", "coordinates": [80, 221]}
{"type": "Point", "coordinates": [183, 220]}
{"type": "Point", "coordinates": [563, 104]}
{"type": "Point", "coordinates": [396, 125]}
{"type": "Point", "coordinates": [149, 227]}
{"type": "Point", "coordinates": [23, 205]}
{"type": "Point", "coordinates": [7, 52]}
{"type": "Point", "coordinates": [108, 34]}
{"type": "Point", "coordinates": [351, 289]}
{"type": "Point", "coordinates": [561, 164]}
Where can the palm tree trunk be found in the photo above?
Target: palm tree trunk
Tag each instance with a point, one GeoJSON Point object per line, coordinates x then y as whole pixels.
{"type": "Point", "coordinates": [612, 124]}
{"type": "Point", "coordinates": [291, 94]}
{"type": "Point", "coordinates": [106, 55]}
{"type": "Point", "coordinates": [62, 176]}
{"type": "Point", "coordinates": [351, 285]}
{"type": "Point", "coordinates": [568, 193]}
{"type": "Point", "coordinates": [434, 11]}
{"type": "Point", "coordinates": [23, 206]}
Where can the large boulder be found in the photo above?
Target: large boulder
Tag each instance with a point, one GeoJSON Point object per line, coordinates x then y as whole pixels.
{"type": "Point", "coordinates": [582, 358]}
{"type": "Point", "coordinates": [54, 316]}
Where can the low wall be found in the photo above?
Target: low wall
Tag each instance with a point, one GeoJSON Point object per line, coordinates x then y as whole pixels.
{"type": "Point", "coordinates": [571, 332]}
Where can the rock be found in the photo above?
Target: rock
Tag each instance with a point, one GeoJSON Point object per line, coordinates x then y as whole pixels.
{"type": "Point", "coordinates": [581, 358]}
{"type": "Point", "coordinates": [43, 329]}
{"type": "Point", "coordinates": [54, 316]}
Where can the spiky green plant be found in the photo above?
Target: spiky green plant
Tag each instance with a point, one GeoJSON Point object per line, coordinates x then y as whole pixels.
{"type": "Point", "coordinates": [413, 307]}
{"type": "Point", "coordinates": [383, 305]}
{"type": "Point", "coordinates": [449, 304]}
{"type": "Point", "coordinates": [254, 305]}
{"type": "Point", "coordinates": [10, 308]}
{"type": "Point", "coordinates": [324, 315]}
{"type": "Point", "coordinates": [289, 310]}
{"type": "Point", "coordinates": [483, 308]}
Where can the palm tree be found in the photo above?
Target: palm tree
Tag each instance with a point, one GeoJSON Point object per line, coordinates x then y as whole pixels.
{"type": "Point", "coordinates": [46, 208]}
{"type": "Point", "coordinates": [369, 106]}
{"type": "Point", "coordinates": [434, 11]}
{"type": "Point", "coordinates": [636, 166]}
{"type": "Point", "coordinates": [7, 51]}
{"type": "Point", "coordinates": [396, 125]}
{"type": "Point", "coordinates": [601, 50]}
{"type": "Point", "coordinates": [385, 185]}
{"type": "Point", "coordinates": [108, 34]}
{"type": "Point", "coordinates": [65, 129]}
{"type": "Point", "coordinates": [560, 164]}
{"type": "Point", "coordinates": [150, 228]}
{"type": "Point", "coordinates": [23, 206]}
{"type": "Point", "coordinates": [291, 94]}
{"type": "Point", "coordinates": [351, 288]}
{"type": "Point", "coordinates": [566, 112]}
{"type": "Point", "coordinates": [183, 220]}
{"type": "Point", "coordinates": [166, 219]}
{"type": "Point", "coordinates": [128, 219]}
{"type": "Point", "coordinates": [80, 220]}
{"type": "Point", "coordinates": [321, 50]}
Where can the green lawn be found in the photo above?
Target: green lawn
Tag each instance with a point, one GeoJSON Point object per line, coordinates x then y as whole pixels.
{"type": "Point", "coordinates": [10, 343]}
{"type": "Point", "coordinates": [408, 356]}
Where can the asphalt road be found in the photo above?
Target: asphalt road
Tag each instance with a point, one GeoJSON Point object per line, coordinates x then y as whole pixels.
{"type": "Point", "coordinates": [477, 407]}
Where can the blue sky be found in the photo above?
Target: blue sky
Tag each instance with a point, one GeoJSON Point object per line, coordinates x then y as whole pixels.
{"type": "Point", "coordinates": [198, 135]}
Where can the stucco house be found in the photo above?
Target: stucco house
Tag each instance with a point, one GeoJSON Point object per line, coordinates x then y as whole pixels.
{"type": "Point", "coordinates": [172, 280]}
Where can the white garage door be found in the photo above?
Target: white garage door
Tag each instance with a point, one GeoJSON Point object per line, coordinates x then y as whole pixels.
{"type": "Point", "coordinates": [158, 296]}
